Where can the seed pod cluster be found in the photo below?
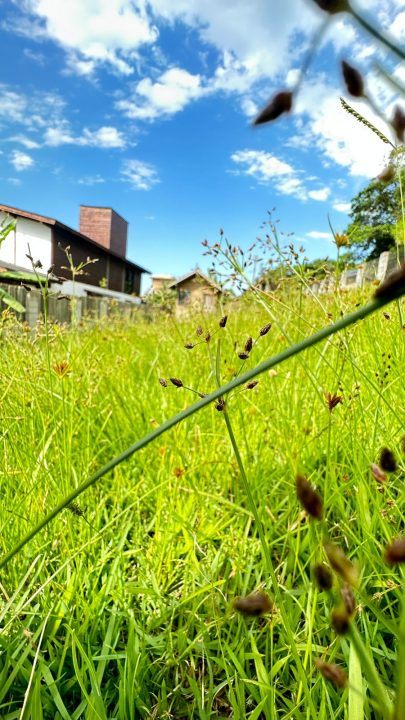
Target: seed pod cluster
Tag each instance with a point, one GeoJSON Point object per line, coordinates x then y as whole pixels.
{"type": "Point", "coordinates": [256, 604]}
{"type": "Point", "coordinates": [309, 498]}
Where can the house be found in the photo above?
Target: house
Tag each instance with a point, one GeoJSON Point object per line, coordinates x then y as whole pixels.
{"type": "Point", "coordinates": [102, 236]}
{"type": "Point", "coordinates": [195, 291]}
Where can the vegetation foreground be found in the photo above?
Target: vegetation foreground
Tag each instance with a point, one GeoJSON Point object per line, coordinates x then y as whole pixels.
{"type": "Point", "coordinates": [124, 606]}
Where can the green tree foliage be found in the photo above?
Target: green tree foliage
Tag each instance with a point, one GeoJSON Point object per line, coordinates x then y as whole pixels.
{"type": "Point", "coordinates": [376, 213]}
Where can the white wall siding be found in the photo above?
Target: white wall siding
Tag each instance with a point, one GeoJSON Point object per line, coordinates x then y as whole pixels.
{"type": "Point", "coordinates": [28, 233]}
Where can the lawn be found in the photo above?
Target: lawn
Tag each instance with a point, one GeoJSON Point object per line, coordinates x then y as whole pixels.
{"type": "Point", "coordinates": [123, 606]}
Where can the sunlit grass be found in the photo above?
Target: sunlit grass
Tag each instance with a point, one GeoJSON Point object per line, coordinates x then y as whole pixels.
{"type": "Point", "coordinates": [126, 611]}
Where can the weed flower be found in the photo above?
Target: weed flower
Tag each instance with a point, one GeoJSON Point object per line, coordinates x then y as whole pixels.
{"type": "Point", "coordinates": [256, 604]}
{"type": "Point", "coordinates": [333, 673]}
{"type": "Point", "coordinates": [353, 79]}
{"type": "Point", "coordinates": [387, 460]}
{"type": "Point", "coordinates": [61, 368]}
{"type": "Point", "coordinates": [341, 564]}
{"type": "Point", "coordinates": [395, 553]}
{"type": "Point", "coordinates": [341, 240]}
{"type": "Point", "coordinates": [279, 104]}
{"type": "Point", "coordinates": [323, 576]}
{"type": "Point", "coordinates": [309, 498]}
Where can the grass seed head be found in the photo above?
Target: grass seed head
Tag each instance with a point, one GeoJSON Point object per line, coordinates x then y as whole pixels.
{"type": "Point", "coordinates": [309, 498]}
{"type": "Point", "coordinates": [163, 382]}
{"type": "Point", "coordinates": [75, 509]}
{"type": "Point", "coordinates": [265, 329]}
{"type": "Point", "coordinates": [207, 337]}
{"type": "Point", "coordinates": [398, 123]}
{"type": "Point", "coordinates": [243, 355]}
{"type": "Point", "coordinates": [341, 564]}
{"type": "Point", "coordinates": [333, 673]}
{"type": "Point", "coordinates": [248, 344]}
{"type": "Point", "coordinates": [378, 474]}
{"type": "Point", "coordinates": [322, 576]}
{"type": "Point", "coordinates": [395, 553]}
{"type": "Point", "coordinates": [340, 620]}
{"type": "Point", "coordinates": [332, 400]}
{"type": "Point", "coordinates": [199, 331]}
{"type": "Point", "coordinates": [223, 321]}
{"type": "Point", "coordinates": [353, 79]}
{"type": "Point", "coordinates": [333, 6]}
{"type": "Point", "coordinates": [189, 346]}
{"type": "Point", "coordinates": [176, 382]}
{"type": "Point", "coordinates": [256, 604]}
{"type": "Point", "coordinates": [348, 598]}
{"type": "Point", "coordinates": [220, 405]}
{"type": "Point", "coordinates": [252, 384]}
{"type": "Point", "coordinates": [279, 104]}
{"type": "Point", "coordinates": [387, 460]}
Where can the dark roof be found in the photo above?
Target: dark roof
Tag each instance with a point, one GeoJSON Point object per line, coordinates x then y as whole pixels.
{"type": "Point", "coordinates": [191, 274]}
{"type": "Point", "coordinates": [68, 230]}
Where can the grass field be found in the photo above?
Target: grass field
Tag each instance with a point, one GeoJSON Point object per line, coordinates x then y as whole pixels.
{"type": "Point", "coordinates": [122, 608]}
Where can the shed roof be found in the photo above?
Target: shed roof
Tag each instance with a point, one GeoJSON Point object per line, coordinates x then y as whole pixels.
{"type": "Point", "coordinates": [190, 275]}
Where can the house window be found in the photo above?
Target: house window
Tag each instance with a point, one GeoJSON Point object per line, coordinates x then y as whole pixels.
{"type": "Point", "coordinates": [184, 296]}
{"type": "Point", "coordinates": [129, 281]}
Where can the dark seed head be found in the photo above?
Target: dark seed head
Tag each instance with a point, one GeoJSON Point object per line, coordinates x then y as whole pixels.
{"type": "Point", "coordinates": [199, 330]}
{"type": "Point", "coordinates": [333, 673]}
{"type": "Point", "coordinates": [176, 382]}
{"type": "Point", "coordinates": [243, 355]}
{"type": "Point", "coordinates": [332, 400]}
{"type": "Point", "coordinates": [279, 104]}
{"type": "Point", "coordinates": [378, 474]}
{"type": "Point", "coordinates": [223, 321]}
{"type": "Point", "coordinates": [265, 329]}
{"type": "Point", "coordinates": [256, 604]}
{"type": "Point", "coordinates": [348, 598]}
{"type": "Point", "coordinates": [189, 346]}
{"type": "Point", "coordinates": [387, 460]}
{"type": "Point", "coordinates": [252, 384]}
{"type": "Point", "coordinates": [353, 79]}
{"type": "Point", "coordinates": [340, 620]}
{"type": "Point", "coordinates": [207, 337]}
{"type": "Point", "coordinates": [341, 564]}
{"type": "Point", "coordinates": [220, 405]}
{"type": "Point", "coordinates": [163, 382]}
{"type": "Point", "coordinates": [395, 553]}
{"type": "Point", "coordinates": [398, 123]}
{"type": "Point", "coordinates": [323, 576]}
{"type": "Point", "coordinates": [333, 6]}
{"type": "Point", "coordinates": [309, 498]}
{"type": "Point", "coordinates": [248, 344]}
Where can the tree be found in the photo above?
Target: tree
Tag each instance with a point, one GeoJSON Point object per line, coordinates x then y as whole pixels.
{"type": "Point", "coordinates": [376, 213]}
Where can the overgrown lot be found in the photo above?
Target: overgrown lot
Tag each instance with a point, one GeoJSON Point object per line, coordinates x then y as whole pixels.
{"type": "Point", "coordinates": [123, 606]}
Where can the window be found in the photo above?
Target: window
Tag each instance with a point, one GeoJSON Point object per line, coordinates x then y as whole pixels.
{"type": "Point", "coordinates": [184, 296]}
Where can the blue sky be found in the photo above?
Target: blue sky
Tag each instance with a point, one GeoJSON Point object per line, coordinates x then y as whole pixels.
{"type": "Point", "coordinates": [147, 107]}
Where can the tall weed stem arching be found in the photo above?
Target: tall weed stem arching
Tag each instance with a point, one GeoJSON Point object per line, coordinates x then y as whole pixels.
{"type": "Point", "coordinates": [386, 295]}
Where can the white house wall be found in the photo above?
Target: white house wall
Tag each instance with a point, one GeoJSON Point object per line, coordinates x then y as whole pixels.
{"type": "Point", "coordinates": [29, 235]}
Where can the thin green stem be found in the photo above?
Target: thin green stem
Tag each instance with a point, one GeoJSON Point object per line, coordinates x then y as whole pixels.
{"type": "Point", "coordinates": [377, 688]}
{"type": "Point", "coordinates": [399, 713]}
{"type": "Point", "coordinates": [360, 314]}
{"type": "Point", "coordinates": [377, 35]}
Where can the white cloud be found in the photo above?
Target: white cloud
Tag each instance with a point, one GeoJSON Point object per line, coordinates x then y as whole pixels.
{"type": "Point", "coordinates": [91, 180]}
{"type": "Point", "coordinates": [101, 31]}
{"type": "Point", "coordinates": [343, 207]}
{"type": "Point", "coordinates": [319, 195]}
{"type": "Point", "coordinates": [397, 28]}
{"type": "Point", "coordinates": [21, 161]}
{"type": "Point", "coordinates": [141, 176]}
{"type": "Point", "coordinates": [25, 141]}
{"type": "Point", "coordinates": [268, 169]}
{"type": "Point", "coordinates": [318, 235]}
{"type": "Point", "coordinates": [173, 90]}
{"type": "Point", "coordinates": [104, 137]}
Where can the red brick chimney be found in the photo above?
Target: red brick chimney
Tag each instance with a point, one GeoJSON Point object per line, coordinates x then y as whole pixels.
{"type": "Point", "coordinates": [105, 227]}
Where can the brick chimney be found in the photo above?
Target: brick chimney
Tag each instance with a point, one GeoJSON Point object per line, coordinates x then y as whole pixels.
{"type": "Point", "coordinates": [105, 227]}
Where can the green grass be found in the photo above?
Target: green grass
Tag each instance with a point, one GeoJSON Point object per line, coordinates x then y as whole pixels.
{"type": "Point", "coordinates": [127, 612]}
